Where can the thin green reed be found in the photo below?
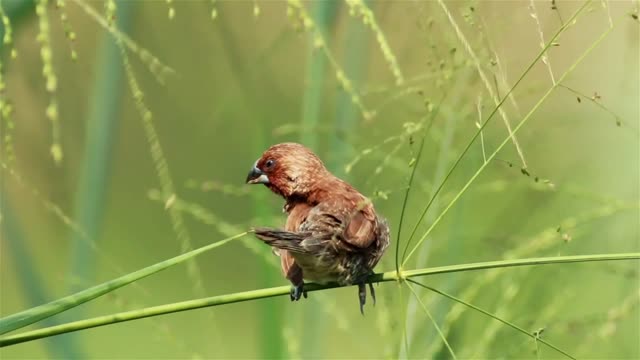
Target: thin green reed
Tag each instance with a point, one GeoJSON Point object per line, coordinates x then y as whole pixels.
{"type": "Point", "coordinates": [38, 313]}
{"type": "Point", "coordinates": [27, 317]}
{"type": "Point", "coordinates": [508, 323]}
{"type": "Point", "coordinates": [442, 162]}
{"type": "Point", "coordinates": [207, 217]}
{"type": "Point", "coordinates": [470, 143]}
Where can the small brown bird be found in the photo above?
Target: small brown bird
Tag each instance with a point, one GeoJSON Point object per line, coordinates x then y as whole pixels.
{"type": "Point", "coordinates": [332, 233]}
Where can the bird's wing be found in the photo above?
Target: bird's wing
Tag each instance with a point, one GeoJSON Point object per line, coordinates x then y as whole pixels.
{"type": "Point", "coordinates": [361, 228]}
{"type": "Point", "coordinates": [297, 214]}
{"type": "Point", "coordinates": [353, 223]}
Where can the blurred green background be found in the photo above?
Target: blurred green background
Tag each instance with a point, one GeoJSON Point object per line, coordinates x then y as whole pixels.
{"type": "Point", "coordinates": [353, 87]}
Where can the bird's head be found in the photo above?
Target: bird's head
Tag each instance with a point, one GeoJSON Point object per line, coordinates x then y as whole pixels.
{"type": "Point", "coordinates": [288, 169]}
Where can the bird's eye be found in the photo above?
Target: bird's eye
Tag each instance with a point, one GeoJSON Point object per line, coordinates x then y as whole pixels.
{"type": "Point", "coordinates": [269, 164]}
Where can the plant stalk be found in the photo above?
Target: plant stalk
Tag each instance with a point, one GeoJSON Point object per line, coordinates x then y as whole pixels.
{"type": "Point", "coordinates": [284, 290]}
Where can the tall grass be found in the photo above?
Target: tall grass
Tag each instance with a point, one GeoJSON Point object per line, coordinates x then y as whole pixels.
{"type": "Point", "coordinates": [422, 157]}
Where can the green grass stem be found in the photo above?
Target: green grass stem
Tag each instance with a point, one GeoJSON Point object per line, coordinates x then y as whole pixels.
{"type": "Point", "coordinates": [33, 315]}
{"type": "Point", "coordinates": [435, 323]}
{"type": "Point", "coordinates": [491, 115]}
{"type": "Point", "coordinates": [504, 142]}
{"type": "Point", "coordinates": [508, 323]}
{"type": "Point", "coordinates": [61, 305]}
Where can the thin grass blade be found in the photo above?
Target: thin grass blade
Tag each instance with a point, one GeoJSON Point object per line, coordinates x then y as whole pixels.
{"type": "Point", "coordinates": [486, 122]}
{"type": "Point", "coordinates": [33, 315]}
{"type": "Point", "coordinates": [435, 323]}
{"type": "Point", "coordinates": [508, 323]}
{"type": "Point", "coordinates": [281, 290]}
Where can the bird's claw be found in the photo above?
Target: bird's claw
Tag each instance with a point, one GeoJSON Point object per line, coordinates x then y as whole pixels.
{"type": "Point", "coordinates": [297, 291]}
{"type": "Point", "coordinates": [362, 296]}
{"type": "Point", "coordinates": [373, 293]}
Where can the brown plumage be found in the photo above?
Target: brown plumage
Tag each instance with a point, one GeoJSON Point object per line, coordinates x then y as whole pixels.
{"type": "Point", "coordinates": [332, 233]}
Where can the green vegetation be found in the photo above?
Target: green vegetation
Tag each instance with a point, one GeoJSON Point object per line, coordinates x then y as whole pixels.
{"type": "Point", "coordinates": [504, 150]}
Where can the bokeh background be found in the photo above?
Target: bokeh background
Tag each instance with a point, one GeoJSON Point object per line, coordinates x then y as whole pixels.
{"type": "Point", "coordinates": [224, 80]}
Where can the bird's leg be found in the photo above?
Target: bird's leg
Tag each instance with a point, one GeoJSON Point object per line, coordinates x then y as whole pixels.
{"type": "Point", "coordinates": [294, 274]}
{"type": "Point", "coordinates": [373, 293]}
{"type": "Point", "coordinates": [297, 291]}
{"type": "Point", "coordinates": [362, 295]}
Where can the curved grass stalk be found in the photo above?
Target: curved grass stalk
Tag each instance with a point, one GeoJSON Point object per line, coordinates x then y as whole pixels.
{"type": "Point", "coordinates": [415, 164]}
{"type": "Point", "coordinates": [406, 200]}
{"type": "Point", "coordinates": [504, 142]}
{"type": "Point", "coordinates": [33, 315]}
{"type": "Point", "coordinates": [206, 217]}
{"type": "Point", "coordinates": [510, 324]}
{"type": "Point", "coordinates": [535, 244]}
{"type": "Point", "coordinates": [505, 299]}
{"type": "Point", "coordinates": [445, 148]}
{"type": "Point", "coordinates": [479, 131]}
{"type": "Point", "coordinates": [74, 227]}
{"type": "Point", "coordinates": [27, 317]}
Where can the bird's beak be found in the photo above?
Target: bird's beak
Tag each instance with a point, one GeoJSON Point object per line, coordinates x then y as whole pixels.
{"type": "Point", "coordinates": [256, 176]}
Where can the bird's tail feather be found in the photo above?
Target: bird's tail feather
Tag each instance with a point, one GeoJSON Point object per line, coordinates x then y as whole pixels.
{"type": "Point", "coordinates": [281, 239]}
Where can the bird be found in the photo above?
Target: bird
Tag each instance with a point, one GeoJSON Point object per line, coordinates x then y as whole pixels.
{"type": "Point", "coordinates": [332, 233]}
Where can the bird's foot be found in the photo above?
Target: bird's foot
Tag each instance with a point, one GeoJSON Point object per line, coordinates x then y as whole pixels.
{"type": "Point", "coordinates": [362, 296]}
{"type": "Point", "coordinates": [373, 293]}
{"type": "Point", "coordinates": [297, 291]}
